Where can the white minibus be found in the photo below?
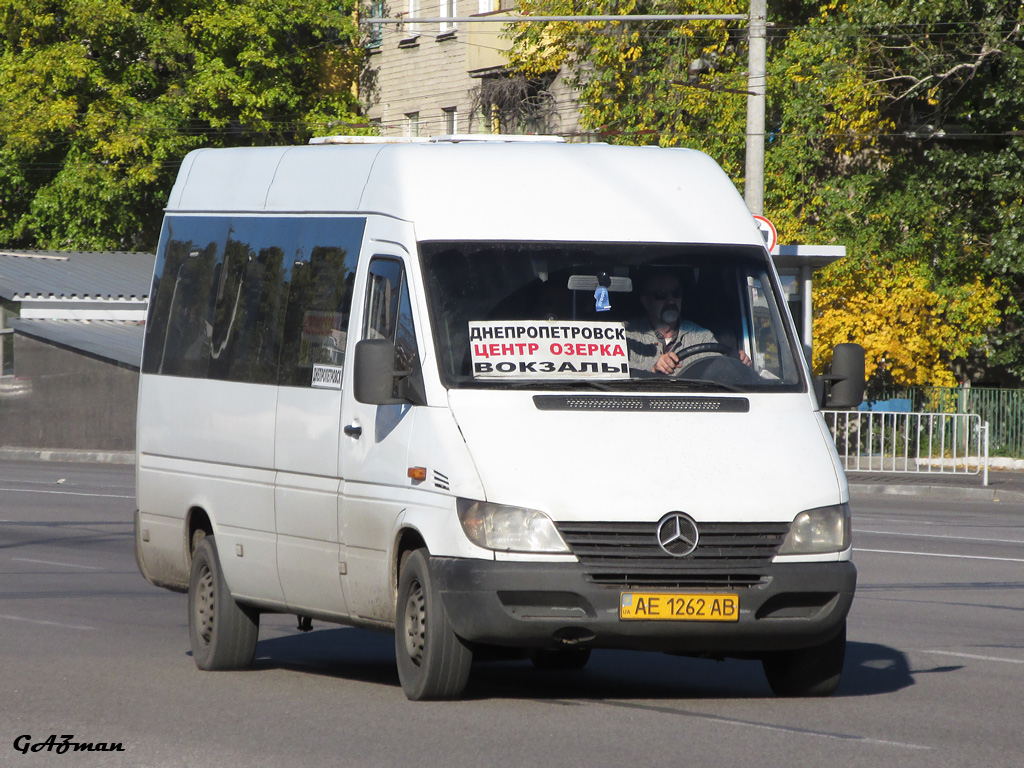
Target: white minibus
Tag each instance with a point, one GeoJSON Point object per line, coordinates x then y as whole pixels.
{"type": "Point", "coordinates": [496, 397]}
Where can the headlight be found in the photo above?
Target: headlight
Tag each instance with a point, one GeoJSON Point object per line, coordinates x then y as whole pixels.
{"type": "Point", "coordinates": [817, 531]}
{"type": "Point", "coordinates": [508, 529]}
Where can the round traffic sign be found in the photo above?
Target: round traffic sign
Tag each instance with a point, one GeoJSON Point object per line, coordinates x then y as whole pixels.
{"type": "Point", "coordinates": [768, 232]}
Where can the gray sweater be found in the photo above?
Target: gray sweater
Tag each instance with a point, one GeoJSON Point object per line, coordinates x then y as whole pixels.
{"type": "Point", "coordinates": [646, 345]}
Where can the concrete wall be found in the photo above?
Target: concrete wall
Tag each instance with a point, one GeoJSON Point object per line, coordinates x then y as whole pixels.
{"type": "Point", "coordinates": [62, 399]}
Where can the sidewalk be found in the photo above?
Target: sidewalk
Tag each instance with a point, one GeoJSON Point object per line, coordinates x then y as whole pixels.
{"type": "Point", "coordinates": [1005, 486]}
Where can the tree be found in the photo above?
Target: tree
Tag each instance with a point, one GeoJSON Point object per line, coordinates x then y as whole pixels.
{"type": "Point", "coordinates": [668, 83]}
{"type": "Point", "coordinates": [911, 331]}
{"type": "Point", "coordinates": [103, 98]}
{"type": "Point", "coordinates": [893, 128]}
{"type": "Point", "coordinates": [926, 168]}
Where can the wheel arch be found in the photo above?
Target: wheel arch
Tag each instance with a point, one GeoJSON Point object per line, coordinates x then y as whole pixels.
{"type": "Point", "coordinates": [196, 520]}
{"type": "Point", "coordinates": [407, 539]}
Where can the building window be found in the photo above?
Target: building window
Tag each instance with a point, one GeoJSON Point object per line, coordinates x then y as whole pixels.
{"type": "Point", "coordinates": [447, 11]}
{"type": "Point", "coordinates": [410, 30]}
{"type": "Point", "coordinates": [412, 124]}
{"type": "Point", "coordinates": [451, 121]}
{"type": "Point", "coordinates": [376, 36]}
{"type": "Point", "coordinates": [414, 7]}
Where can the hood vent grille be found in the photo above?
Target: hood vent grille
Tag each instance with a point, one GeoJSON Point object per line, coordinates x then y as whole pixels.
{"type": "Point", "coordinates": [641, 403]}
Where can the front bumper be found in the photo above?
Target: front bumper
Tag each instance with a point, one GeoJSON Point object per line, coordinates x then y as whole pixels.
{"type": "Point", "coordinates": [534, 605]}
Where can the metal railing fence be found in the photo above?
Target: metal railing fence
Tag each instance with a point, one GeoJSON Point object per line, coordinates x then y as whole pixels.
{"type": "Point", "coordinates": [943, 443]}
{"type": "Point", "coordinates": [1003, 409]}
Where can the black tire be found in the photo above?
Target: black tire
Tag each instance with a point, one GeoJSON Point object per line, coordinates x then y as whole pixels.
{"type": "Point", "coordinates": [433, 662]}
{"type": "Point", "coordinates": [223, 633]}
{"type": "Point", "coordinates": [807, 671]}
{"type": "Point", "coordinates": [565, 659]}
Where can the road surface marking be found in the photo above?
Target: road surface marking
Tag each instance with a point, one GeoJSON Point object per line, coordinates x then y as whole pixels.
{"type": "Point", "coordinates": [936, 554]}
{"type": "Point", "coordinates": [848, 737]}
{"type": "Point", "coordinates": [68, 493]}
{"type": "Point", "coordinates": [54, 562]}
{"type": "Point", "coordinates": [46, 623]}
{"type": "Point", "coordinates": [976, 656]}
{"type": "Point", "coordinates": [941, 536]}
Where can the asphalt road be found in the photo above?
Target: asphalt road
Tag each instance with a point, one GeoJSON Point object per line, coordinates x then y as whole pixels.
{"type": "Point", "coordinates": [934, 672]}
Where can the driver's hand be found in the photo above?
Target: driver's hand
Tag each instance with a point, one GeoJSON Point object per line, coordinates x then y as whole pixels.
{"type": "Point", "coordinates": [745, 359]}
{"type": "Point", "coordinates": [667, 364]}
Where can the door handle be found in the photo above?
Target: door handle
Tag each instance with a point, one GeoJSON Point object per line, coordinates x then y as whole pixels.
{"type": "Point", "coordinates": [353, 430]}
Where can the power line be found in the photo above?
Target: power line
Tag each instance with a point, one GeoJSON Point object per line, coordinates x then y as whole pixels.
{"type": "Point", "coordinates": [405, 19]}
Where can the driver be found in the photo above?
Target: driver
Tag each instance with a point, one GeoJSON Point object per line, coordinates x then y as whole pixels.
{"type": "Point", "coordinates": [655, 339]}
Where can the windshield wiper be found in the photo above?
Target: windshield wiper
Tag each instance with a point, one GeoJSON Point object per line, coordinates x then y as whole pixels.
{"type": "Point", "coordinates": [545, 384]}
{"type": "Point", "coordinates": [598, 384]}
{"type": "Point", "coordinates": [671, 382]}
{"type": "Point", "coordinates": [635, 386]}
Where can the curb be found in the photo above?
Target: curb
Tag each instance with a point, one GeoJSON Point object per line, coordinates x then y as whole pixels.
{"type": "Point", "coordinates": [1001, 463]}
{"type": "Point", "coordinates": [69, 455]}
{"type": "Point", "coordinates": [945, 492]}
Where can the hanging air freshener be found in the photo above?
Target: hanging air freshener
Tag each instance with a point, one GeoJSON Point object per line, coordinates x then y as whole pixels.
{"type": "Point", "coordinates": [601, 302]}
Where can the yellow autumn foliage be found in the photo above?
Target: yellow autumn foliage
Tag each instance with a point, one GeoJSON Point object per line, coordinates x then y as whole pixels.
{"type": "Point", "coordinates": [911, 332]}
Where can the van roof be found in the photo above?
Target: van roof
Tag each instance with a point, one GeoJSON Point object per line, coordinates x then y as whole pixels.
{"type": "Point", "coordinates": [481, 190]}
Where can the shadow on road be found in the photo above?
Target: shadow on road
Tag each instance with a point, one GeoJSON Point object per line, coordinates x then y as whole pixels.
{"type": "Point", "coordinates": [364, 656]}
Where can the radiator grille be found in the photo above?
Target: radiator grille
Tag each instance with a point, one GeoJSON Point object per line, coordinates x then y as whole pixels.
{"type": "Point", "coordinates": [728, 555]}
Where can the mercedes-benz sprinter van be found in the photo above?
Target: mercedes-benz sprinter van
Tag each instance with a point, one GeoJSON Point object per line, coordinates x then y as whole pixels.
{"type": "Point", "coordinates": [525, 395]}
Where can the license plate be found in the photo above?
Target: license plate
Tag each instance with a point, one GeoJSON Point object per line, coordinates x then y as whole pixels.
{"type": "Point", "coordinates": [672, 606]}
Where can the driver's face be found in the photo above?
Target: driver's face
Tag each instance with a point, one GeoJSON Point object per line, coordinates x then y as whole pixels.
{"type": "Point", "coordinates": [662, 293]}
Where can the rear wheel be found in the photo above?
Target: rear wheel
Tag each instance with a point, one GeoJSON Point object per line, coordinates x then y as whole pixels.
{"type": "Point", "coordinates": [807, 671]}
{"type": "Point", "coordinates": [433, 662]}
{"type": "Point", "coordinates": [223, 634]}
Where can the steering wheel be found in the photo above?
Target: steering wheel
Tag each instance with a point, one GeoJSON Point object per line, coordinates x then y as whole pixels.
{"type": "Point", "coordinates": [708, 346]}
{"type": "Point", "coordinates": [723, 367]}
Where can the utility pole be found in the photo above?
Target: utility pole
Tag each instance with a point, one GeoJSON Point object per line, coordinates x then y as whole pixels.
{"type": "Point", "coordinates": [757, 75]}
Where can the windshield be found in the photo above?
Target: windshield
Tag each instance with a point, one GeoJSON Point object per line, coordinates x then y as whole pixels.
{"type": "Point", "coordinates": [628, 317]}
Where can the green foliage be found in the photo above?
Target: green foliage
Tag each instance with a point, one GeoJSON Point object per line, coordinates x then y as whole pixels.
{"type": "Point", "coordinates": [894, 127]}
{"type": "Point", "coordinates": [911, 329]}
{"type": "Point", "coordinates": [667, 83]}
{"type": "Point", "coordinates": [103, 98]}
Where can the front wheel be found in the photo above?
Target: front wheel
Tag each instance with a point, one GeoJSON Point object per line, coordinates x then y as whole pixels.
{"type": "Point", "coordinates": [811, 671]}
{"type": "Point", "coordinates": [222, 633]}
{"type": "Point", "coordinates": [433, 662]}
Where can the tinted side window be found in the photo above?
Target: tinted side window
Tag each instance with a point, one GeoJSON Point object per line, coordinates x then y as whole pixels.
{"type": "Point", "coordinates": [179, 328]}
{"type": "Point", "coordinates": [250, 299]}
{"type": "Point", "coordinates": [319, 298]}
{"type": "Point", "coordinates": [389, 311]}
{"type": "Point", "coordinates": [256, 299]}
{"type": "Point", "coordinates": [384, 288]}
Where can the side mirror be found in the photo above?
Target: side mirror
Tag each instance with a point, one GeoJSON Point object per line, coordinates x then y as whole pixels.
{"type": "Point", "coordinates": [843, 386]}
{"type": "Point", "coordinates": [376, 382]}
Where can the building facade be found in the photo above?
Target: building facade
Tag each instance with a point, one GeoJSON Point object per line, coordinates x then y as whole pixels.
{"type": "Point", "coordinates": [441, 78]}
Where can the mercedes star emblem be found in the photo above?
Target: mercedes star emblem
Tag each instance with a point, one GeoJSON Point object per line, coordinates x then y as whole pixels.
{"type": "Point", "coordinates": [677, 534]}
